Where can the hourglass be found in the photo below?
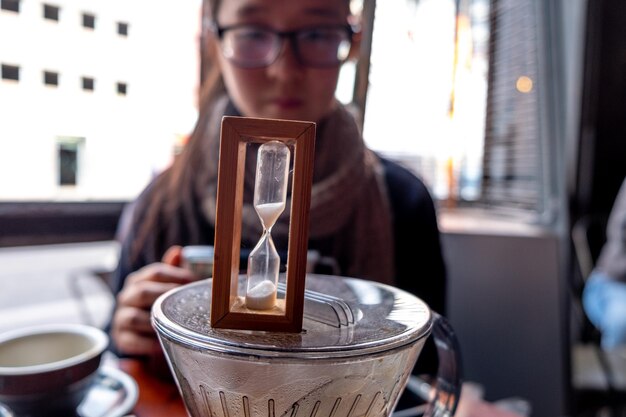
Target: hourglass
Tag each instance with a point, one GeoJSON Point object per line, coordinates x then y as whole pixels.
{"type": "Point", "coordinates": [256, 301]}
{"type": "Point", "coordinates": [270, 195]}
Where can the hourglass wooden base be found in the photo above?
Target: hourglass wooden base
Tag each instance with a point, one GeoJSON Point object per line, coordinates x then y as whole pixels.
{"type": "Point", "coordinates": [227, 308]}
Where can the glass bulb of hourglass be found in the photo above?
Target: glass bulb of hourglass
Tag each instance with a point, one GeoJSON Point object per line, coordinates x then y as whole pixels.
{"type": "Point", "coordinates": [263, 269]}
{"type": "Point", "coordinates": [270, 194]}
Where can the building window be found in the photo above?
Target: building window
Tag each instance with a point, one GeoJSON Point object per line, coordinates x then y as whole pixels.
{"type": "Point", "coordinates": [89, 20]}
{"type": "Point", "coordinates": [69, 152]}
{"type": "Point", "coordinates": [51, 78]}
{"type": "Point", "coordinates": [122, 29]}
{"type": "Point", "coordinates": [50, 12]}
{"type": "Point", "coordinates": [10, 72]}
{"type": "Point", "coordinates": [121, 89]}
{"type": "Point", "coordinates": [88, 83]}
{"type": "Point", "coordinates": [10, 5]}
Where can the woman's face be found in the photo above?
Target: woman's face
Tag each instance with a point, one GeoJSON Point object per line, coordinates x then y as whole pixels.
{"type": "Point", "coordinates": [286, 89]}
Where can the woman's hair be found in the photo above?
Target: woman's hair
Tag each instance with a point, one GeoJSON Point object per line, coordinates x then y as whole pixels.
{"type": "Point", "coordinates": [173, 190]}
{"type": "Point", "coordinates": [210, 76]}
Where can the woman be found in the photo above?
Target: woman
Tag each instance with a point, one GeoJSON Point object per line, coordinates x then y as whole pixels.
{"type": "Point", "coordinates": [279, 59]}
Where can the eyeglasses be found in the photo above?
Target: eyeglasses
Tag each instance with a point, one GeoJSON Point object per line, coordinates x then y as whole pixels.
{"type": "Point", "coordinates": [249, 46]}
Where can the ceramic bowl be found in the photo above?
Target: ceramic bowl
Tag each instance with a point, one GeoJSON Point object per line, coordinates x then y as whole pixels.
{"type": "Point", "coordinates": [47, 370]}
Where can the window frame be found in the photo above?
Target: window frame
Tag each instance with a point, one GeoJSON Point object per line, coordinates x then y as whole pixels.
{"type": "Point", "coordinates": [26, 223]}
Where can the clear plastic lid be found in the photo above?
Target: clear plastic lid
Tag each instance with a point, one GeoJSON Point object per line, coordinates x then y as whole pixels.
{"type": "Point", "coordinates": [342, 317]}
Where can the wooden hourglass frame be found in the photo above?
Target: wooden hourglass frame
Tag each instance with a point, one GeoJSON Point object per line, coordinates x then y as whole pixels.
{"type": "Point", "coordinates": [227, 310]}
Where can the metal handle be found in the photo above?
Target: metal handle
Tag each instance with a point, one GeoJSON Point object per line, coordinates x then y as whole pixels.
{"type": "Point", "coordinates": [442, 395]}
{"type": "Point", "coordinates": [447, 388]}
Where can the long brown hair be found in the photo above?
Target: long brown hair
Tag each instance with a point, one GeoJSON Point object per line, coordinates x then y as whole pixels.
{"type": "Point", "coordinates": [171, 196]}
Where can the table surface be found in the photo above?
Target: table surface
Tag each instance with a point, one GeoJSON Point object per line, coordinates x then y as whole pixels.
{"type": "Point", "coordinates": [159, 397]}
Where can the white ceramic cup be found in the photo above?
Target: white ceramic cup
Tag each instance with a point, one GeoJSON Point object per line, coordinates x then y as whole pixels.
{"type": "Point", "coordinates": [46, 370]}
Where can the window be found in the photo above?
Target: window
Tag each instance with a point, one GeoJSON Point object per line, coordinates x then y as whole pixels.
{"type": "Point", "coordinates": [89, 21]}
{"type": "Point", "coordinates": [121, 89]}
{"type": "Point", "coordinates": [10, 5]}
{"type": "Point", "coordinates": [69, 152]}
{"type": "Point", "coordinates": [510, 169]}
{"type": "Point", "coordinates": [97, 194]}
{"type": "Point", "coordinates": [51, 12]}
{"type": "Point", "coordinates": [122, 29]}
{"type": "Point", "coordinates": [476, 81]}
{"type": "Point", "coordinates": [515, 173]}
{"type": "Point", "coordinates": [88, 83]}
{"type": "Point", "coordinates": [51, 78]}
{"type": "Point", "coordinates": [437, 127]}
{"type": "Point", "coordinates": [10, 72]}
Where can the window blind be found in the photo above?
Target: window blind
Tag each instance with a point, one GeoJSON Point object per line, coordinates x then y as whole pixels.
{"type": "Point", "coordinates": [513, 173]}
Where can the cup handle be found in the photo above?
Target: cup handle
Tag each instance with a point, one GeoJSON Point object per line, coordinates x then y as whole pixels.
{"type": "Point", "coordinates": [442, 395]}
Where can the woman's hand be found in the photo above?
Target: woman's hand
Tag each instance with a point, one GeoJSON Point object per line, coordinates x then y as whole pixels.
{"type": "Point", "coordinates": [131, 330]}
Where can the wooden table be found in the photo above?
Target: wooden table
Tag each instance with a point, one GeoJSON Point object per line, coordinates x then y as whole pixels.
{"type": "Point", "coordinates": [158, 397]}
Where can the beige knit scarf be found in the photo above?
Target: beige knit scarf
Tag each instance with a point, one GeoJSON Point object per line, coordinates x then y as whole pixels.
{"type": "Point", "coordinates": [349, 200]}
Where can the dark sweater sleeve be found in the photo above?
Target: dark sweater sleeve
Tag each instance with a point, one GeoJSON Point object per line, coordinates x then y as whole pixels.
{"type": "Point", "coordinates": [420, 267]}
{"type": "Point", "coordinates": [126, 234]}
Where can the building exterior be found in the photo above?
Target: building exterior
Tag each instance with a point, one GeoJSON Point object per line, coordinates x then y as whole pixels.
{"type": "Point", "coordinates": [94, 95]}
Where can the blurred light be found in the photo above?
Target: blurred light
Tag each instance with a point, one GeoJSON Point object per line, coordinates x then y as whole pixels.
{"type": "Point", "coordinates": [524, 84]}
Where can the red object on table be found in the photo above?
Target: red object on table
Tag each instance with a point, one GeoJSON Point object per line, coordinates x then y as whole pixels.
{"type": "Point", "coordinates": [158, 397]}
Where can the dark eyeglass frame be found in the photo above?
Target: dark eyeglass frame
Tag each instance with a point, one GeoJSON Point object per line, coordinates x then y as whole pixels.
{"type": "Point", "coordinates": [291, 36]}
